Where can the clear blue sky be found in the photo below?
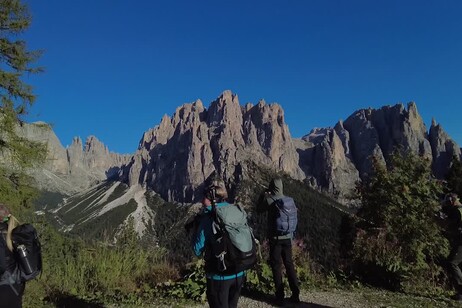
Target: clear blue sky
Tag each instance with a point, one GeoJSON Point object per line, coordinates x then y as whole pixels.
{"type": "Point", "coordinates": [114, 68]}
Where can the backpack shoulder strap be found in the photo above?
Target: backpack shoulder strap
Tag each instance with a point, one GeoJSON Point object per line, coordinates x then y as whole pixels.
{"type": "Point", "coordinates": [459, 208]}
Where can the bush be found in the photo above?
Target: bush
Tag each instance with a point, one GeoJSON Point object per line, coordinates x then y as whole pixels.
{"type": "Point", "coordinates": [98, 272]}
{"type": "Point", "coordinates": [398, 239]}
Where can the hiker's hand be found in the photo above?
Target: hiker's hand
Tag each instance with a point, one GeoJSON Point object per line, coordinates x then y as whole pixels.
{"type": "Point", "coordinates": [192, 223]}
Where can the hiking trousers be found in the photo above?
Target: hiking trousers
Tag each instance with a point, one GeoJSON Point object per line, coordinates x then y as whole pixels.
{"type": "Point", "coordinates": [10, 298]}
{"type": "Point", "coordinates": [454, 260]}
{"type": "Point", "coordinates": [281, 252]}
{"type": "Point", "coordinates": [224, 293]}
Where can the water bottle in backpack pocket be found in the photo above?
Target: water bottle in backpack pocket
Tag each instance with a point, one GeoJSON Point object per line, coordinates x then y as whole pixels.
{"type": "Point", "coordinates": [28, 251]}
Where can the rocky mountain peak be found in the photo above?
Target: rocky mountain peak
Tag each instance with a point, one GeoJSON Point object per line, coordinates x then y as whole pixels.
{"type": "Point", "coordinates": [443, 148]}
{"type": "Point", "coordinates": [94, 146]}
{"type": "Point", "coordinates": [176, 157]}
{"type": "Point", "coordinates": [225, 109]}
{"type": "Point", "coordinates": [335, 159]}
{"type": "Point", "coordinates": [72, 169]}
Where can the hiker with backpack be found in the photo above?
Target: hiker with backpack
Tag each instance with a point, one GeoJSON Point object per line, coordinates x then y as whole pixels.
{"type": "Point", "coordinates": [20, 258]}
{"type": "Point", "coordinates": [282, 222]}
{"type": "Point", "coordinates": [452, 210]}
{"type": "Point", "coordinates": [223, 235]}
{"type": "Point", "coordinates": [11, 287]}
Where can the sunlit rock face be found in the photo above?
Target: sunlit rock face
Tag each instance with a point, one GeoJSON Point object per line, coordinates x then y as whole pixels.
{"type": "Point", "coordinates": [72, 169]}
{"type": "Point", "coordinates": [175, 157]}
{"type": "Point", "coordinates": [334, 159]}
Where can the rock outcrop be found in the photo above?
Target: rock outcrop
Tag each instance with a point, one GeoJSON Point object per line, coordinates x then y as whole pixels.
{"type": "Point", "coordinates": [443, 149]}
{"type": "Point", "coordinates": [336, 158]}
{"type": "Point", "coordinates": [72, 169]}
{"type": "Point", "coordinates": [175, 157]}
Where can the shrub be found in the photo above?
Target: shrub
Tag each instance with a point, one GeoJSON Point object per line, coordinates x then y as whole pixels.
{"type": "Point", "coordinates": [97, 272]}
{"type": "Point", "coordinates": [398, 239]}
{"type": "Point", "coordinates": [454, 176]}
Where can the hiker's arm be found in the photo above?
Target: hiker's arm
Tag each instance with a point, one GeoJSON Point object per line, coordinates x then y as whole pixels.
{"type": "Point", "coordinates": [2, 257]}
{"type": "Point", "coordinates": [199, 239]}
{"type": "Point", "coordinates": [262, 203]}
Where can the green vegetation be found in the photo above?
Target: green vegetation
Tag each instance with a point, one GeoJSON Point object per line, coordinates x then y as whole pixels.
{"type": "Point", "coordinates": [47, 199]}
{"type": "Point", "coordinates": [168, 228]}
{"type": "Point", "coordinates": [102, 227]}
{"type": "Point", "coordinates": [394, 241]}
{"type": "Point", "coordinates": [18, 153]}
{"type": "Point", "coordinates": [454, 177]}
{"type": "Point", "coordinates": [399, 244]}
{"type": "Point", "coordinates": [96, 272]}
{"type": "Point", "coordinates": [333, 248]}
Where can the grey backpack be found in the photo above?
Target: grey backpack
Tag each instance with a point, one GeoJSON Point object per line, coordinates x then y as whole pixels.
{"type": "Point", "coordinates": [286, 215]}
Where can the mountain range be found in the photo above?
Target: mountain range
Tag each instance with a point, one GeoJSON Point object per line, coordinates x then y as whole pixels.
{"type": "Point", "coordinates": [175, 157]}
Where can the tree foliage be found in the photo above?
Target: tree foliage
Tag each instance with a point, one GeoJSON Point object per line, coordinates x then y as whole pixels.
{"type": "Point", "coordinates": [398, 238]}
{"type": "Point", "coordinates": [454, 177]}
{"type": "Point", "coordinates": [17, 153]}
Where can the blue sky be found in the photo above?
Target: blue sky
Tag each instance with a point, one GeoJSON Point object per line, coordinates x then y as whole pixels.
{"type": "Point", "coordinates": [114, 68]}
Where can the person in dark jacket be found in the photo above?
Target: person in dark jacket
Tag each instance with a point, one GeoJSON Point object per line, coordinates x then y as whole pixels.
{"type": "Point", "coordinates": [452, 209]}
{"type": "Point", "coordinates": [223, 291]}
{"type": "Point", "coordinates": [11, 287]}
{"type": "Point", "coordinates": [280, 244]}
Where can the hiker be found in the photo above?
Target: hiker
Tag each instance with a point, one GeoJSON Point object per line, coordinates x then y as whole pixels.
{"type": "Point", "coordinates": [223, 287]}
{"type": "Point", "coordinates": [282, 221]}
{"type": "Point", "coordinates": [11, 287]}
{"type": "Point", "coordinates": [452, 208]}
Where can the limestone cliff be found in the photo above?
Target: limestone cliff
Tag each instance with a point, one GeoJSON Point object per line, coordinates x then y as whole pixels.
{"type": "Point", "coordinates": [336, 158]}
{"type": "Point", "coordinates": [175, 157]}
{"type": "Point", "coordinates": [72, 169]}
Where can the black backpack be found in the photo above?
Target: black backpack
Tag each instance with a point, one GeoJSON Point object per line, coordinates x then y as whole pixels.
{"type": "Point", "coordinates": [286, 215]}
{"type": "Point", "coordinates": [28, 251]}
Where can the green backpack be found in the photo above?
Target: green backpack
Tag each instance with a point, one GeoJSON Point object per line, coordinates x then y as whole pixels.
{"type": "Point", "coordinates": [233, 243]}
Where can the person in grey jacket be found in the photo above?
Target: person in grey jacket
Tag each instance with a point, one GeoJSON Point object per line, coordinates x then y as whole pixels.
{"type": "Point", "coordinates": [280, 243]}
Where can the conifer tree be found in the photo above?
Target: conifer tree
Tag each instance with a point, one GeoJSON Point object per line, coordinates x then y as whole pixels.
{"type": "Point", "coordinates": [454, 177]}
{"type": "Point", "coordinates": [17, 154]}
{"type": "Point", "coordinates": [399, 238]}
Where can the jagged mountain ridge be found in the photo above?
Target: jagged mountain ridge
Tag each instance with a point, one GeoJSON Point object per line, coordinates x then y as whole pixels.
{"type": "Point", "coordinates": [175, 157]}
{"type": "Point", "coordinates": [75, 168]}
{"type": "Point", "coordinates": [335, 158]}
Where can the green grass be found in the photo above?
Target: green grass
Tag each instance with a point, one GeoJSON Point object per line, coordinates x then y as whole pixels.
{"type": "Point", "coordinates": [105, 226]}
{"type": "Point", "coordinates": [48, 200]}
{"type": "Point", "coordinates": [131, 273]}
